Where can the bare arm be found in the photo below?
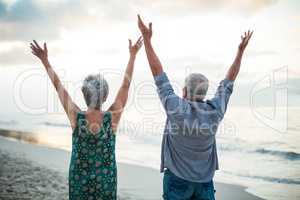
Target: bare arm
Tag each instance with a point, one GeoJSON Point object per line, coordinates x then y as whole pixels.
{"type": "Point", "coordinates": [69, 106]}
{"type": "Point", "coordinates": [153, 59]}
{"type": "Point", "coordinates": [235, 67]}
{"type": "Point", "coordinates": [120, 101]}
{"type": "Point", "coordinates": [175, 106]}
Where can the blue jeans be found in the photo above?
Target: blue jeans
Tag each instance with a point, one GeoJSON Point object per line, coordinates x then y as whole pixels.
{"type": "Point", "coordinates": [176, 188]}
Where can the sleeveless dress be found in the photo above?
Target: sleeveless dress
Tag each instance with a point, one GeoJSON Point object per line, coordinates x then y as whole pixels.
{"type": "Point", "coordinates": [93, 170]}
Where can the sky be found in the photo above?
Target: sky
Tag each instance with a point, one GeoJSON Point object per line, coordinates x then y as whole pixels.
{"type": "Point", "coordinates": [89, 36]}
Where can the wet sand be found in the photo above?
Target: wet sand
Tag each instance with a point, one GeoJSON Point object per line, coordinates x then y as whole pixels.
{"type": "Point", "coordinates": [29, 171]}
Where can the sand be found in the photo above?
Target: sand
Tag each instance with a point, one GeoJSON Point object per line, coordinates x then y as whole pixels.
{"type": "Point", "coordinates": [29, 171]}
{"type": "Point", "coordinates": [22, 179]}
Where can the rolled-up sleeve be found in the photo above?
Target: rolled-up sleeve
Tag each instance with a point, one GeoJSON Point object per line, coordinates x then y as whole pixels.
{"type": "Point", "coordinates": [173, 104]}
{"type": "Point", "coordinates": [222, 95]}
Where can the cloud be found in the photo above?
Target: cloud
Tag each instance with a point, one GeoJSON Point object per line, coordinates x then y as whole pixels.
{"type": "Point", "coordinates": [24, 19]}
{"type": "Point", "coordinates": [15, 57]}
{"type": "Point", "coordinates": [21, 11]}
{"type": "Point", "coordinates": [15, 53]}
{"type": "Point", "coordinates": [255, 53]}
{"type": "Point", "coordinates": [194, 62]}
{"type": "Point", "coordinates": [19, 19]}
{"type": "Point", "coordinates": [2, 8]}
{"type": "Point", "coordinates": [171, 7]}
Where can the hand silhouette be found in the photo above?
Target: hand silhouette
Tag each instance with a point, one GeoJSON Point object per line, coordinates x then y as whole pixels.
{"type": "Point", "coordinates": [42, 54]}
{"type": "Point", "coordinates": [245, 39]}
{"type": "Point", "coordinates": [133, 49]}
{"type": "Point", "coordinates": [146, 32]}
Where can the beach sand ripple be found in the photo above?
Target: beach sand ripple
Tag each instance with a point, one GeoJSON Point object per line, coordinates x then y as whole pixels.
{"type": "Point", "coordinates": [21, 179]}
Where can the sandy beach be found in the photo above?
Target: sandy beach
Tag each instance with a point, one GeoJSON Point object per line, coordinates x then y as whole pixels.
{"type": "Point", "coordinates": [29, 171]}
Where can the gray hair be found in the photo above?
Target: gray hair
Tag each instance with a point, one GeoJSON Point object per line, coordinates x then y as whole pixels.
{"type": "Point", "coordinates": [196, 86]}
{"type": "Point", "coordinates": [95, 90]}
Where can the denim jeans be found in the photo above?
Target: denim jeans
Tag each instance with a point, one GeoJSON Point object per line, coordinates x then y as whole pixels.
{"type": "Point", "coordinates": [176, 188]}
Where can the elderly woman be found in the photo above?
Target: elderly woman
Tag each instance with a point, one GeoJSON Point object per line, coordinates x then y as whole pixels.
{"type": "Point", "coordinates": [93, 173]}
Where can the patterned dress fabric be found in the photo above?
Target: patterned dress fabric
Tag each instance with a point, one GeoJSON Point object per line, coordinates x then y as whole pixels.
{"type": "Point", "coordinates": [93, 171]}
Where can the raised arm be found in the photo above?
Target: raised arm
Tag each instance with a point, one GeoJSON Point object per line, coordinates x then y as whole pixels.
{"type": "Point", "coordinates": [120, 101]}
{"type": "Point", "coordinates": [69, 106]}
{"type": "Point", "coordinates": [235, 67]}
{"type": "Point", "coordinates": [153, 59]}
{"type": "Point", "coordinates": [174, 105]}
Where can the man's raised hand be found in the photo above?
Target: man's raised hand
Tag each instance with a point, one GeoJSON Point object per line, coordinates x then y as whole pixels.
{"type": "Point", "coordinates": [146, 31]}
{"type": "Point", "coordinates": [245, 39]}
{"type": "Point", "coordinates": [235, 67]}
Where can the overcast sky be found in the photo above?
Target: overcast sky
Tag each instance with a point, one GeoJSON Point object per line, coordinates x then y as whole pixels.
{"type": "Point", "coordinates": [191, 35]}
{"type": "Point", "coordinates": [190, 31]}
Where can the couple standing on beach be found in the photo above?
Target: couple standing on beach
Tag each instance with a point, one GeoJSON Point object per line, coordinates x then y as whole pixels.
{"type": "Point", "coordinates": [189, 155]}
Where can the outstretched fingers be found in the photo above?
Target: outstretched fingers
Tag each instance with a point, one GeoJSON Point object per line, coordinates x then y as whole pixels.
{"type": "Point", "coordinates": [245, 39]}
{"type": "Point", "coordinates": [140, 40]}
{"type": "Point", "coordinates": [134, 48]}
{"type": "Point", "coordinates": [246, 36]}
{"type": "Point", "coordinates": [140, 22]}
{"type": "Point", "coordinates": [34, 49]}
{"type": "Point", "coordinates": [130, 43]}
{"type": "Point", "coordinates": [38, 51]}
{"type": "Point", "coordinates": [249, 35]}
{"type": "Point", "coordinates": [37, 45]}
{"type": "Point", "coordinates": [45, 47]}
{"type": "Point", "coordinates": [32, 46]}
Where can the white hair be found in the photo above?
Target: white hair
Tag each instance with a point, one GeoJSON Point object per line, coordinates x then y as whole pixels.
{"type": "Point", "coordinates": [196, 86]}
{"type": "Point", "coordinates": [95, 90]}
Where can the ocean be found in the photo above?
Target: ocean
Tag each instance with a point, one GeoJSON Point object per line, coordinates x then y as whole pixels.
{"type": "Point", "coordinates": [263, 157]}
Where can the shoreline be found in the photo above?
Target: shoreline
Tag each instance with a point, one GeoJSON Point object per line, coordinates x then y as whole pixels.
{"type": "Point", "coordinates": [134, 182]}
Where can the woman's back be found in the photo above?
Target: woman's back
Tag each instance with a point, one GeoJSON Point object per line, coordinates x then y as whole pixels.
{"type": "Point", "coordinates": [93, 173]}
{"type": "Point", "coordinates": [94, 119]}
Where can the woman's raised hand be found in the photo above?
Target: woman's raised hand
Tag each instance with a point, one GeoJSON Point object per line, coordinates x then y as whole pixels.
{"type": "Point", "coordinates": [41, 53]}
{"type": "Point", "coordinates": [133, 49]}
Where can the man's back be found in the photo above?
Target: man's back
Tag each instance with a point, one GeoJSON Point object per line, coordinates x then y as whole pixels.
{"type": "Point", "coordinates": [189, 146]}
{"type": "Point", "coordinates": [189, 152]}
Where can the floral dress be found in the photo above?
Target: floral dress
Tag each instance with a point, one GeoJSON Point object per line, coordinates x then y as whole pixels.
{"type": "Point", "coordinates": [93, 171]}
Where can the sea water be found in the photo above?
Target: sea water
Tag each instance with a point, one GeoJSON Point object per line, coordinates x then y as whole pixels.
{"type": "Point", "coordinates": [252, 153]}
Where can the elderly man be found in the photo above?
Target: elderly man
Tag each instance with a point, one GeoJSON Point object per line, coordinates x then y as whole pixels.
{"type": "Point", "coordinates": [189, 155]}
